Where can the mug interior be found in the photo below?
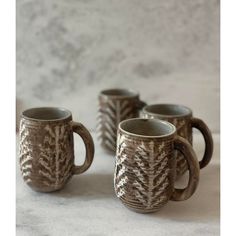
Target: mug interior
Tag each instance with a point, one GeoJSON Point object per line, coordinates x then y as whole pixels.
{"type": "Point", "coordinates": [46, 113]}
{"type": "Point", "coordinates": [168, 110]}
{"type": "Point", "coordinates": [119, 92]}
{"type": "Point", "coordinates": [147, 127]}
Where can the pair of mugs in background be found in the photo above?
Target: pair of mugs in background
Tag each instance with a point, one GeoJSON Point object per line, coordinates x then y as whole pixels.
{"type": "Point", "coordinates": [151, 151]}
{"type": "Point", "coordinates": [145, 169]}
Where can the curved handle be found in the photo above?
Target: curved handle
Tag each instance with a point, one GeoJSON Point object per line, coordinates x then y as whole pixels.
{"type": "Point", "coordinates": [89, 146]}
{"type": "Point", "coordinates": [202, 127]}
{"type": "Point", "coordinates": [141, 104]}
{"type": "Point", "coordinates": [186, 149]}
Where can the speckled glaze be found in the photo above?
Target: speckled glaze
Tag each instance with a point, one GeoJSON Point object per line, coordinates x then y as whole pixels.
{"type": "Point", "coordinates": [47, 148]}
{"type": "Point", "coordinates": [115, 105]}
{"type": "Point", "coordinates": [146, 166]}
{"type": "Point", "coordinates": [181, 117]}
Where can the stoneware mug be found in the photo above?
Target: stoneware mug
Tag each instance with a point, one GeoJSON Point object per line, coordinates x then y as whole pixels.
{"type": "Point", "coordinates": [145, 164]}
{"type": "Point", "coordinates": [182, 118]}
{"type": "Point", "coordinates": [115, 105]}
{"type": "Point", "coordinates": [47, 148]}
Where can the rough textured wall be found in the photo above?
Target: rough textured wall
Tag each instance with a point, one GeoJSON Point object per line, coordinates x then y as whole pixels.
{"type": "Point", "coordinates": [68, 50]}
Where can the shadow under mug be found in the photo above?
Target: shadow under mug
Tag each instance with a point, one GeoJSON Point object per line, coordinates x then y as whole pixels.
{"type": "Point", "coordinates": [181, 117]}
{"type": "Point", "coordinates": [47, 148]}
{"type": "Point", "coordinates": [145, 164]}
{"type": "Point", "coordinates": [115, 105]}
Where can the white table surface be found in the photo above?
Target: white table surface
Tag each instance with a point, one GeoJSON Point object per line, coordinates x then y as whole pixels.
{"type": "Point", "coordinates": [88, 206]}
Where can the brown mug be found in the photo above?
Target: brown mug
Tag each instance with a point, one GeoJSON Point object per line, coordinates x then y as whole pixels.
{"type": "Point", "coordinates": [47, 148]}
{"type": "Point", "coordinates": [145, 164]}
{"type": "Point", "coordinates": [181, 117]}
{"type": "Point", "coordinates": [115, 105]}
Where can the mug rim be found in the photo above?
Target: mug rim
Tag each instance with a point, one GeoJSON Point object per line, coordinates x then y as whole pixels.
{"type": "Point", "coordinates": [130, 93]}
{"type": "Point", "coordinates": [148, 136]}
{"type": "Point", "coordinates": [188, 110]}
{"type": "Point", "coordinates": [65, 117]}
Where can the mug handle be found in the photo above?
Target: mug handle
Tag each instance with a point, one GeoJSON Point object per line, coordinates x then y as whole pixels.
{"type": "Point", "coordinates": [186, 149]}
{"type": "Point", "coordinates": [89, 146]}
{"type": "Point", "coordinates": [141, 104]}
{"type": "Point", "coordinates": [202, 127]}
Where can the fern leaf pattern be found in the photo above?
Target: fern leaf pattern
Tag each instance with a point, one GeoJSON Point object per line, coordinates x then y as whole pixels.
{"type": "Point", "coordinates": [26, 158]}
{"type": "Point", "coordinates": [111, 112]}
{"type": "Point", "coordinates": [184, 129]}
{"type": "Point", "coordinates": [46, 154]}
{"type": "Point", "coordinates": [144, 173]}
{"type": "Point", "coordinates": [120, 169]}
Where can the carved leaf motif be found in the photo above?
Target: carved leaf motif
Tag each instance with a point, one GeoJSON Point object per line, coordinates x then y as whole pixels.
{"type": "Point", "coordinates": [55, 164]}
{"type": "Point", "coordinates": [182, 130]}
{"type": "Point", "coordinates": [109, 118]}
{"type": "Point", "coordinates": [25, 154]}
{"type": "Point", "coordinates": [45, 160]}
{"type": "Point", "coordinates": [155, 175]}
{"type": "Point", "coordinates": [141, 173]}
{"type": "Point", "coordinates": [120, 170]}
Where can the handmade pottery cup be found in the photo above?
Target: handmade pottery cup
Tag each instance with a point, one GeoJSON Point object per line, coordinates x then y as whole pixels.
{"type": "Point", "coordinates": [181, 117]}
{"type": "Point", "coordinates": [47, 148]}
{"type": "Point", "coordinates": [145, 164]}
{"type": "Point", "coordinates": [115, 105]}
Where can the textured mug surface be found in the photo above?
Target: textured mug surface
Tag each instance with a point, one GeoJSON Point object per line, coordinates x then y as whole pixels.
{"type": "Point", "coordinates": [145, 165]}
{"type": "Point", "coordinates": [47, 148]}
{"type": "Point", "coordinates": [115, 105]}
{"type": "Point", "coordinates": [181, 117]}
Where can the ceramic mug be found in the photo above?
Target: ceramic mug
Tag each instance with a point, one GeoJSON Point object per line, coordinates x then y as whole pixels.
{"type": "Point", "coordinates": [145, 164]}
{"type": "Point", "coordinates": [115, 105]}
{"type": "Point", "coordinates": [47, 148]}
{"type": "Point", "coordinates": [182, 118]}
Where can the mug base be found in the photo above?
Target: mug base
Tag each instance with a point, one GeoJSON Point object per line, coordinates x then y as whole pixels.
{"type": "Point", "coordinates": [144, 211]}
{"type": "Point", "coordinates": [38, 187]}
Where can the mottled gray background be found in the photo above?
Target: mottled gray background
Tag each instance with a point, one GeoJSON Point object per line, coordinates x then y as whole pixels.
{"type": "Point", "coordinates": [68, 50]}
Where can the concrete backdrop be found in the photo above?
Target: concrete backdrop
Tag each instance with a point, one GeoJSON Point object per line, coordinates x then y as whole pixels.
{"type": "Point", "coordinates": [168, 50]}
